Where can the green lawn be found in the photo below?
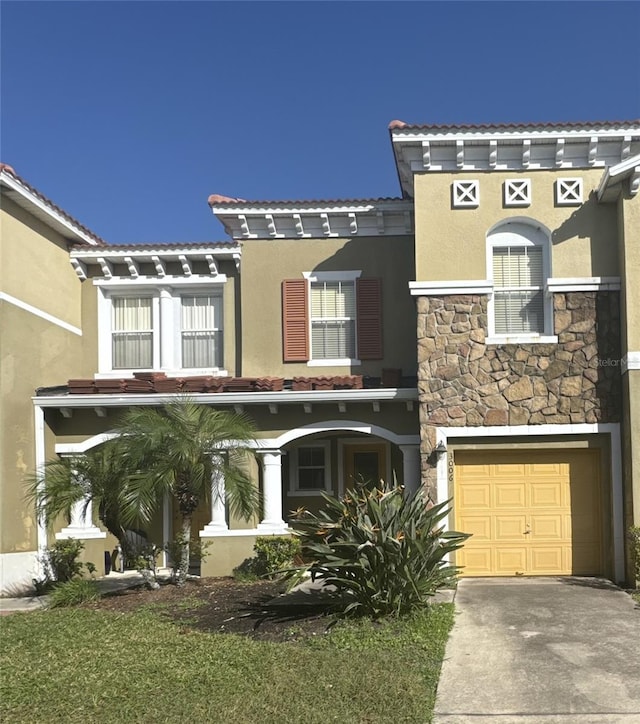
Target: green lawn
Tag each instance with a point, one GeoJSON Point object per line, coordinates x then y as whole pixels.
{"type": "Point", "coordinates": [82, 665]}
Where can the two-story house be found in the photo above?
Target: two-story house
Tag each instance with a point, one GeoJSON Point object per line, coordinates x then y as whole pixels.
{"type": "Point", "coordinates": [476, 336]}
{"type": "Point", "coordinates": [527, 247]}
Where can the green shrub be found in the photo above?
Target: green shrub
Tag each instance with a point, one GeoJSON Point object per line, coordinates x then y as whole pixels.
{"type": "Point", "coordinates": [634, 535]}
{"type": "Point", "coordinates": [273, 554]}
{"type": "Point", "coordinates": [73, 592]}
{"type": "Point", "coordinates": [383, 552]}
{"type": "Point", "coordinates": [62, 560]}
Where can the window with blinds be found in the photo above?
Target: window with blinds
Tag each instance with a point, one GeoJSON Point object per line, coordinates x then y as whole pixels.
{"type": "Point", "coordinates": [201, 330]}
{"type": "Point", "coordinates": [132, 333]}
{"type": "Point", "coordinates": [311, 468]}
{"type": "Point", "coordinates": [518, 279]}
{"type": "Point", "coordinates": [333, 320]}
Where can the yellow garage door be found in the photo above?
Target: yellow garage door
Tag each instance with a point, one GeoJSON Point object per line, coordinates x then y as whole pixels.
{"type": "Point", "coordinates": [534, 512]}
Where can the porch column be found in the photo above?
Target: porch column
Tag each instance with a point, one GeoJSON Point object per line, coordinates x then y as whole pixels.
{"type": "Point", "coordinates": [272, 521]}
{"type": "Point", "coordinates": [81, 525]}
{"type": "Point", "coordinates": [218, 509]}
{"type": "Point", "coordinates": [167, 341]}
{"type": "Point", "coordinates": [411, 467]}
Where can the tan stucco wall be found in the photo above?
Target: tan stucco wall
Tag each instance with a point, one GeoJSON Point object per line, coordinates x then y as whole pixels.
{"type": "Point", "coordinates": [628, 214]}
{"type": "Point", "coordinates": [34, 265]}
{"type": "Point", "coordinates": [265, 263]}
{"type": "Point", "coordinates": [225, 553]}
{"type": "Point", "coordinates": [34, 353]}
{"type": "Point", "coordinates": [451, 242]}
{"type": "Point", "coordinates": [89, 301]}
{"type": "Point", "coordinates": [631, 444]}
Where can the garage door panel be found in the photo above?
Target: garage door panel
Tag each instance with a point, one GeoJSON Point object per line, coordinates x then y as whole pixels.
{"type": "Point", "coordinates": [475, 496]}
{"type": "Point", "coordinates": [532, 512]}
{"type": "Point", "coordinates": [546, 495]}
{"type": "Point", "coordinates": [478, 526]}
{"type": "Point", "coordinates": [508, 470]}
{"type": "Point", "coordinates": [585, 558]}
{"type": "Point", "coordinates": [478, 559]}
{"type": "Point", "coordinates": [549, 469]}
{"type": "Point", "coordinates": [509, 527]}
{"type": "Point", "coordinates": [509, 495]}
{"type": "Point", "coordinates": [547, 526]}
{"type": "Point", "coordinates": [511, 560]}
{"type": "Point", "coordinates": [546, 560]}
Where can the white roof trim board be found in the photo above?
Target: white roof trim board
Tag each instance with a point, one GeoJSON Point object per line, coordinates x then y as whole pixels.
{"type": "Point", "coordinates": [420, 149]}
{"type": "Point", "coordinates": [317, 220]}
{"type": "Point", "coordinates": [612, 178]}
{"type": "Point", "coordinates": [37, 206]}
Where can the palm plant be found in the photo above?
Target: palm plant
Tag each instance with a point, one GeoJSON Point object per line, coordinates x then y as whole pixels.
{"type": "Point", "coordinates": [99, 477]}
{"type": "Point", "coordinates": [177, 449]}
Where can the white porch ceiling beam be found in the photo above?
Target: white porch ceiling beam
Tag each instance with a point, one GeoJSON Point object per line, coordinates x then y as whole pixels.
{"type": "Point", "coordinates": [159, 265]}
{"type": "Point", "coordinates": [132, 267]}
{"type": "Point", "coordinates": [213, 267]}
{"type": "Point", "coordinates": [107, 269]}
{"type": "Point", "coordinates": [79, 268]}
{"type": "Point", "coordinates": [186, 265]}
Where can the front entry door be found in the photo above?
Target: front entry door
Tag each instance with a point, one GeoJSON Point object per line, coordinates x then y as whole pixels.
{"type": "Point", "coordinates": [365, 462]}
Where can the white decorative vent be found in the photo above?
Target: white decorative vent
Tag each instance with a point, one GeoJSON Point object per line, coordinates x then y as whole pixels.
{"type": "Point", "coordinates": [466, 193]}
{"type": "Point", "coordinates": [517, 192]}
{"type": "Point", "coordinates": [569, 191]}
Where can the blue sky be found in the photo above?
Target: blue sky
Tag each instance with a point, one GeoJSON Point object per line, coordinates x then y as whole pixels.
{"type": "Point", "coordinates": [129, 114]}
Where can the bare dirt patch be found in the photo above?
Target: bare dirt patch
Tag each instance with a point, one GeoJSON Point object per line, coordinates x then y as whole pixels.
{"type": "Point", "coordinates": [223, 605]}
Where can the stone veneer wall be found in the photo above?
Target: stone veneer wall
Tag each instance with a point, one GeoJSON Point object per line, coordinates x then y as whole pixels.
{"type": "Point", "coordinates": [462, 381]}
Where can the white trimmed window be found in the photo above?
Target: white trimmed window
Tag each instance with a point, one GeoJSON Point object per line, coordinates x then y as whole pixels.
{"type": "Point", "coordinates": [518, 261]}
{"type": "Point", "coordinates": [173, 329]}
{"type": "Point", "coordinates": [132, 333]}
{"type": "Point", "coordinates": [310, 471]}
{"type": "Point", "coordinates": [518, 288]}
{"type": "Point", "coordinates": [333, 320]}
{"type": "Point", "coordinates": [201, 330]}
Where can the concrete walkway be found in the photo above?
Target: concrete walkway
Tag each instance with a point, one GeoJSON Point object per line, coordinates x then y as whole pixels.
{"type": "Point", "coordinates": [107, 584]}
{"type": "Point", "coordinates": [541, 650]}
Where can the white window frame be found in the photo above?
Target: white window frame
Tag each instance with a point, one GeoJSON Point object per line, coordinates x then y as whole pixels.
{"type": "Point", "coordinates": [155, 337]}
{"type": "Point", "coordinates": [166, 317]}
{"type": "Point", "coordinates": [198, 293]}
{"type": "Point", "coordinates": [343, 276]}
{"type": "Point", "coordinates": [519, 232]}
{"type": "Point", "coordinates": [294, 489]}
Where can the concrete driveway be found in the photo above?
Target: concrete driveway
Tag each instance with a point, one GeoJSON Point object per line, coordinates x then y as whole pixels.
{"type": "Point", "coordinates": [541, 650]}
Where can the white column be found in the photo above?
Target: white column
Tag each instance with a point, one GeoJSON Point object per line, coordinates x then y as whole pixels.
{"type": "Point", "coordinates": [81, 525]}
{"type": "Point", "coordinates": [167, 342]}
{"type": "Point", "coordinates": [272, 521]}
{"type": "Point", "coordinates": [166, 528]}
{"type": "Point", "coordinates": [218, 509]}
{"type": "Point", "coordinates": [411, 467]}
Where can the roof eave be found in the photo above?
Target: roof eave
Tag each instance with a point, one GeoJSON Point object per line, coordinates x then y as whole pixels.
{"type": "Point", "coordinates": [28, 200]}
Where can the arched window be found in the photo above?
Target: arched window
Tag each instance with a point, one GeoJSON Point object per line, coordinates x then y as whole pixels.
{"type": "Point", "coordinates": [519, 266]}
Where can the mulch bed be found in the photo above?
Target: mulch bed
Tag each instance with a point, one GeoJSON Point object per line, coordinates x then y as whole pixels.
{"type": "Point", "coordinates": [224, 605]}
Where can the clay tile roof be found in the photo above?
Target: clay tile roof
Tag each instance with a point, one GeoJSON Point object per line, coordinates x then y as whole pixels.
{"type": "Point", "coordinates": [162, 246]}
{"type": "Point", "coordinates": [397, 125]}
{"type": "Point", "coordinates": [219, 199]}
{"type": "Point", "coordinates": [216, 199]}
{"type": "Point", "coordinates": [5, 168]}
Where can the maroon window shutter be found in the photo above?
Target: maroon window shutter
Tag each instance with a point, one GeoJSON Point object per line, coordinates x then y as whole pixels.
{"type": "Point", "coordinates": [369, 305]}
{"type": "Point", "coordinates": [295, 320]}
